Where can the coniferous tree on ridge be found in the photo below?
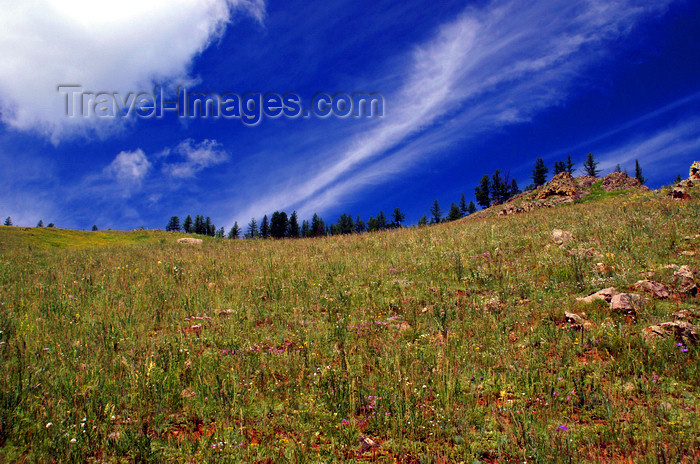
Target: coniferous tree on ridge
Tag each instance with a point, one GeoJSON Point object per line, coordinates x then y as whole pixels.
{"type": "Point", "coordinates": [638, 173]}
{"type": "Point", "coordinates": [435, 213]}
{"type": "Point", "coordinates": [539, 174]}
{"type": "Point", "coordinates": [483, 192]}
{"type": "Point", "coordinates": [590, 166]}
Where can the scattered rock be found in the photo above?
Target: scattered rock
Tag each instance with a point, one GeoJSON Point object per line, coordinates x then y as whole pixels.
{"type": "Point", "coordinates": [190, 240]}
{"type": "Point", "coordinates": [511, 209]}
{"type": "Point", "coordinates": [195, 329]}
{"type": "Point", "coordinates": [679, 193]}
{"type": "Point", "coordinates": [685, 315]}
{"type": "Point", "coordinates": [367, 444]}
{"type": "Point", "coordinates": [684, 280]}
{"type": "Point", "coordinates": [402, 326]}
{"type": "Point", "coordinates": [688, 253]}
{"type": "Point", "coordinates": [226, 312]}
{"type": "Point", "coordinates": [586, 181]}
{"type": "Point", "coordinates": [187, 393]}
{"type": "Point", "coordinates": [562, 185]}
{"type": "Point", "coordinates": [682, 331]}
{"type": "Point", "coordinates": [114, 436]}
{"type": "Point", "coordinates": [601, 268]}
{"type": "Point", "coordinates": [692, 237]}
{"type": "Point", "coordinates": [621, 181]}
{"type": "Point", "coordinates": [605, 294]}
{"type": "Point", "coordinates": [586, 253]}
{"type": "Point", "coordinates": [576, 321]}
{"type": "Point", "coordinates": [656, 289]}
{"type": "Point", "coordinates": [561, 237]}
{"type": "Point", "coordinates": [626, 303]}
{"type": "Point", "coordinates": [695, 171]}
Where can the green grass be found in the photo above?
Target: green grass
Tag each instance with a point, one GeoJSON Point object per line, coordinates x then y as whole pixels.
{"type": "Point", "coordinates": [49, 237]}
{"type": "Point", "coordinates": [442, 344]}
{"type": "Point", "coordinates": [597, 193]}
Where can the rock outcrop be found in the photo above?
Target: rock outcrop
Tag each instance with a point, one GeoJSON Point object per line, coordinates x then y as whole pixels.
{"type": "Point", "coordinates": [621, 181]}
{"type": "Point", "coordinates": [694, 172]}
{"type": "Point", "coordinates": [626, 303]}
{"type": "Point", "coordinates": [190, 240]}
{"type": "Point", "coordinates": [605, 294]}
{"type": "Point", "coordinates": [656, 289]}
{"type": "Point", "coordinates": [682, 331]}
{"type": "Point", "coordinates": [561, 185]}
{"type": "Point", "coordinates": [562, 237]}
{"type": "Point", "coordinates": [684, 280]}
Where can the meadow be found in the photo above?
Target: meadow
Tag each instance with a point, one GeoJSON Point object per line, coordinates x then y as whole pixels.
{"type": "Point", "coordinates": [435, 344]}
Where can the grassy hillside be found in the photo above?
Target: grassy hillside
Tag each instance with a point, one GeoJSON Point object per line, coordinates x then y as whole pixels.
{"type": "Point", "coordinates": [440, 344]}
{"type": "Point", "coordinates": [45, 237]}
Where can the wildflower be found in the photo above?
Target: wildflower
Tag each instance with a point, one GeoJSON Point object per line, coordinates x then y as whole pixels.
{"type": "Point", "coordinates": [73, 440]}
{"type": "Point", "coordinates": [562, 428]}
{"type": "Point", "coordinates": [679, 344]}
{"type": "Point", "coordinates": [50, 424]}
{"type": "Point", "coordinates": [684, 350]}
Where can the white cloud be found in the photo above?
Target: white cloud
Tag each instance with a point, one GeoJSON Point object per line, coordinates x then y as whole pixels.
{"type": "Point", "coordinates": [129, 167]}
{"type": "Point", "coordinates": [197, 156]}
{"type": "Point", "coordinates": [107, 45]}
{"type": "Point", "coordinates": [483, 70]}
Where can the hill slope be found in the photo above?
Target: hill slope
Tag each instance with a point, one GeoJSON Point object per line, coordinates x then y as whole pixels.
{"type": "Point", "coordinates": [443, 344]}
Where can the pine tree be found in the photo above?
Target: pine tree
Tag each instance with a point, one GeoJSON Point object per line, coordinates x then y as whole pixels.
{"type": "Point", "coordinates": [199, 226]}
{"type": "Point", "coordinates": [51, 225]}
{"type": "Point", "coordinates": [590, 165]}
{"type": "Point", "coordinates": [618, 168]}
{"type": "Point", "coordinates": [514, 189]}
{"type": "Point", "coordinates": [305, 229]}
{"type": "Point", "coordinates": [8, 221]}
{"type": "Point", "coordinates": [220, 233]}
{"type": "Point", "coordinates": [382, 222]}
{"type": "Point", "coordinates": [94, 227]}
{"type": "Point", "coordinates": [253, 229]}
{"type": "Point", "coordinates": [359, 225]}
{"type": "Point", "coordinates": [472, 207]}
{"type": "Point", "coordinates": [570, 165]}
{"type": "Point", "coordinates": [463, 209]}
{"type": "Point", "coordinates": [41, 223]}
{"type": "Point", "coordinates": [483, 192]}
{"type": "Point", "coordinates": [209, 227]}
{"type": "Point", "coordinates": [678, 179]}
{"type": "Point", "coordinates": [187, 226]}
{"type": "Point", "coordinates": [318, 227]}
{"type": "Point", "coordinates": [279, 224]}
{"type": "Point", "coordinates": [454, 213]}
{"type": "Point", "coordinates": [559, 167]}
{"type": "Point", "coordinates": [265, 227]}
{"type": "Point", "coordinates": [372, 225]}
{"type": "Point", "coordinates": [638, 173]}
{"type": "Point", "coordinates": [397, 218]}
{"type": "Point", "coordinates": [499, 187]}
{"type": "Point", "coordinates": [173, 224]}
{"type": "Point", "coordinates": [235, 231]}
{"type": "Point", "coordinates": [539, 174]}
{"type": "Point", "coordinates": [435, 213]}
{"type": "Point", "coordinates": [423, 221]}
{"type": "Point", "coordinates": [293, 228]}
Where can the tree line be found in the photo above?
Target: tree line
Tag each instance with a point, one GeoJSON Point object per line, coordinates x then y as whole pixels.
{"type": "Point", "coordinates": [497, 188]}
{"type": "Point", "coordinates": [493, 189]}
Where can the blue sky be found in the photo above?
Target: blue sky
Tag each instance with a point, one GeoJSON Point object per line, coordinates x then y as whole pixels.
{"type": "Point", "coordinates": [469, 87]}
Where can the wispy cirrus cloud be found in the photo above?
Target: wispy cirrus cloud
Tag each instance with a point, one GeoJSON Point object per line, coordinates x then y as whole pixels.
{"type": "Point", "coordinates": [46, 43]}
{"type": "Point", "coordinates": [486, 69]}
